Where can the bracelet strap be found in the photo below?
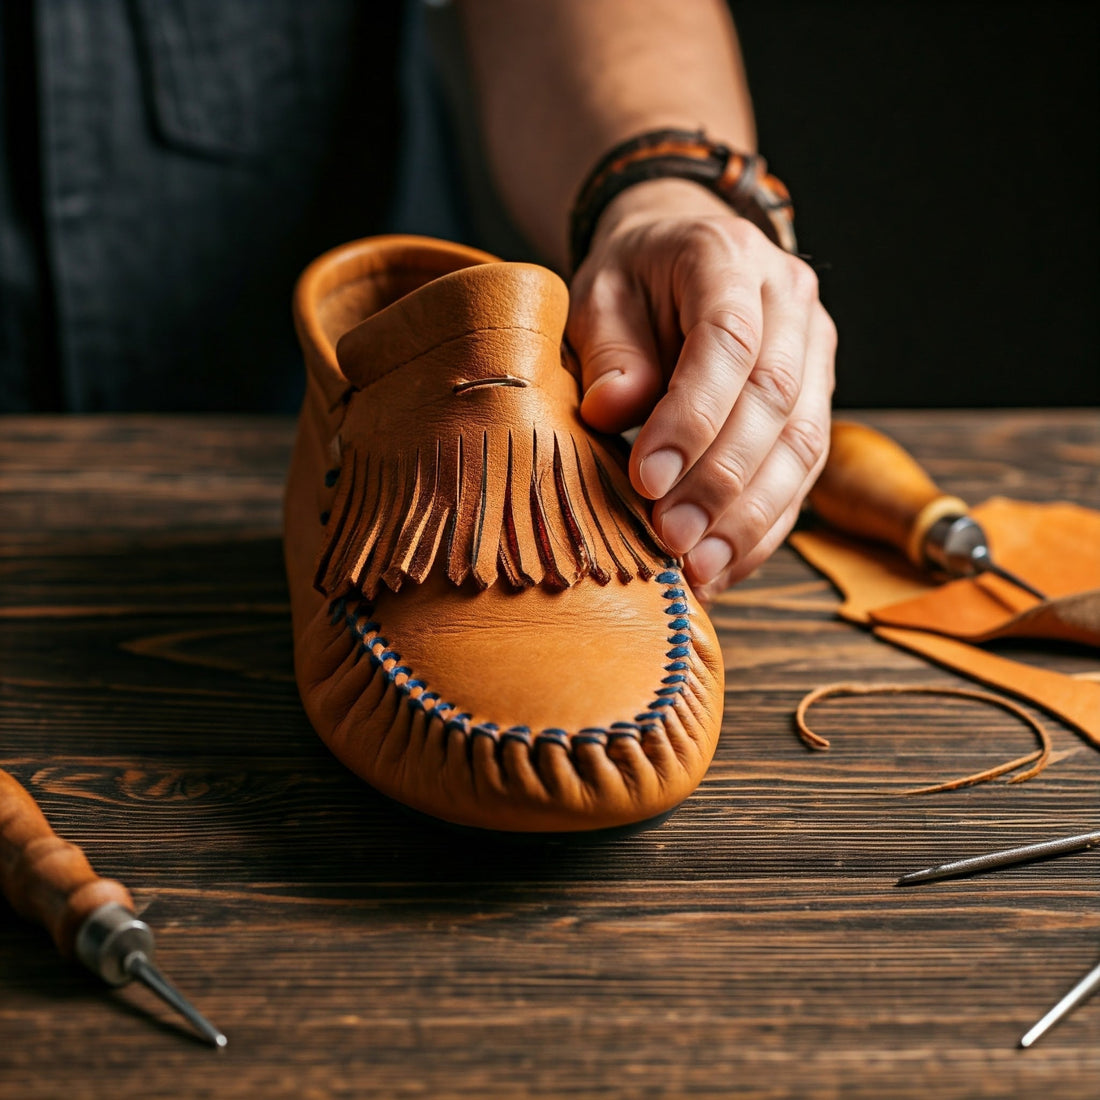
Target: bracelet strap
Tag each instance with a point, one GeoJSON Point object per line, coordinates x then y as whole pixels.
{"type": "Point", "coordinates": [740, 179]}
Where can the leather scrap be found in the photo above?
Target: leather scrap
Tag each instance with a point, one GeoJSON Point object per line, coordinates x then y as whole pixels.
{"type": "Point", "coordinates": [1076, 701]}
{"type": "Point", "coordinates": [1055, 546]}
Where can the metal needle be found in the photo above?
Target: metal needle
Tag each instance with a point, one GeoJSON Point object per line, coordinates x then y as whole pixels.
{"type": "Point", "coordinates": [1004, 858]}
{"type": "Point", "coordinates": [1080, 993]}
{"type": "Point", "coordinates": [984, 563]}
{"type": "Point", "coordinates": [137, 965]}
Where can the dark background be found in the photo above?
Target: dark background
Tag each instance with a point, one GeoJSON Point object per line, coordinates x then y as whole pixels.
{"type": "Point", "coordinates": [942, 160]}
{"type": "Point", "coordinates": [943, 164]}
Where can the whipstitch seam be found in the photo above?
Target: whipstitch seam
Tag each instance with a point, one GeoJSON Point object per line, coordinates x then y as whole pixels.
{"type": "Point", "coordinates": [358, 620]}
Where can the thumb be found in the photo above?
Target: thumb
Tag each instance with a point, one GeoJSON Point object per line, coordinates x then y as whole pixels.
{"type": "Point", "coordinates": [610, 330]}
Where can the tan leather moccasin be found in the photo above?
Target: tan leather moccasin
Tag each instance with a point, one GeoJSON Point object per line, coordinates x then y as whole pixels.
{"type": "Point", "coordinates": [486, 627]}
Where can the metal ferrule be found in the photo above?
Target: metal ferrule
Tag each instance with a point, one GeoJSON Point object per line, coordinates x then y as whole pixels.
{"type": "Point", "coordinates": [108, 937]}
{"type": "Point", "coordinates": [957, 545]}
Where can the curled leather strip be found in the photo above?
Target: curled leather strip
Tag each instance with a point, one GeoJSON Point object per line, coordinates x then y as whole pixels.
{"type": "Point", "coordinates": [740, 179]}
{"type": "Point", "coordinates": [1038, 759]}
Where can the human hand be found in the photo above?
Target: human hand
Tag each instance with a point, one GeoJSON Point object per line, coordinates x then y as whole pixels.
{"type": "Point", "coordinates": [685, 316]}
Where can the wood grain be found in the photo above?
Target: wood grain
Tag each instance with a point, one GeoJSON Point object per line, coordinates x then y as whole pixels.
{"type": "Point", "coordinates": [753, 945]}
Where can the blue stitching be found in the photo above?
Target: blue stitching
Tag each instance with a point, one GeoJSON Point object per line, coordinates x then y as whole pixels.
{"type": "Point", "coordinates": [552, 737]}
{"type": "Point", "coordinates": [643, 724]}
{"type": "Point", "coordinates": [593, 738]}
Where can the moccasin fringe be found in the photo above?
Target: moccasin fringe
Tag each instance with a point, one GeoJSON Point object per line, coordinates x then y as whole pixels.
{"type": "Point", "coordinates": [546, 508]}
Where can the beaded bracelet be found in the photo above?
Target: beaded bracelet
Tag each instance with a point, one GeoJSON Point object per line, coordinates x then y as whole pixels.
{"type": "Point", "coordinates": [740, 179]}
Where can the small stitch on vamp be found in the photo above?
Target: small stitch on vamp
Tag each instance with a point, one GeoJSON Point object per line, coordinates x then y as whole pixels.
{"type": "Point", "coordinates": [358, 620]}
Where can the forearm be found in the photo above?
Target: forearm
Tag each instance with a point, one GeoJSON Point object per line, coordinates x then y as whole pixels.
{"type": "Point", "coordinates": [559, 82]}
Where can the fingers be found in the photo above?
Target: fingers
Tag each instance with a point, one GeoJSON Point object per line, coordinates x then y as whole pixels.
{"type": "Point", "coordinates": [695, 319]}
{"type": "Point", "coordinates": [753, 524]}
{"type": "Point", "coordinates": [610, 330]}
{"type": "Point", "coordinates": [722, 318]}
{"type": "Point", "coordinates": [729, 400]}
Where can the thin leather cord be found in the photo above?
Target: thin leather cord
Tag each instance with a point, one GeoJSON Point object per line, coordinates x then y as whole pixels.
{"type": "Point", "coordinates": [1038, 759]}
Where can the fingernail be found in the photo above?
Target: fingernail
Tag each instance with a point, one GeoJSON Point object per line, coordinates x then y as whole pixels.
{"type": "Point", "coordinates": [709, 558]}
{"type": "Point", "coordinates": [603, 379]}
{"type": "Point", "coordinates": [659, 471]}
{"type": "Point", "coordinates": [682, 526]}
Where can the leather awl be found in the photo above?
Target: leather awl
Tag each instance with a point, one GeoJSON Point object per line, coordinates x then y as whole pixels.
{"type": "Point", "coordinates": [873, 488]}
{"type": "Point", "coordinates": [50, 881]}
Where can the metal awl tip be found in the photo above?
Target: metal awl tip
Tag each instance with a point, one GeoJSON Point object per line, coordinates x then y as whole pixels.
{"type": "Point", "coordinates": [1019, 582]}
{"type": "Point", "coordinates": [138, 966]}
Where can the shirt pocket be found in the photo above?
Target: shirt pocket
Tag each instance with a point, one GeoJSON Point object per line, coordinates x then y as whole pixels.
{"type": "Point", "coordinates": [227, 79]}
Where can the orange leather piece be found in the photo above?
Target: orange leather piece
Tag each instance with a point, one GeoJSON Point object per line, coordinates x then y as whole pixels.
{"type": "Point", "coordinates": [486, 627]}
{"type": "Point", "coordinates": [1073, 699]}
{"type": "Point", "coordinates": [868, 575]}
{"type": "Point", "coordinates": [1056, 547]}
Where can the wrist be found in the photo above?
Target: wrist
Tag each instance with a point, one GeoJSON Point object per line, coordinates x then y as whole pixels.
{"type": "Point", "coordinates": [653, 200]}
{"type": "Point", "coordinates": [740, 180]}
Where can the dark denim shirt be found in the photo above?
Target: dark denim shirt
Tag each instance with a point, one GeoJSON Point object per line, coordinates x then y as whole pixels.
{"type": "Point", "coordinates": [167, 168]}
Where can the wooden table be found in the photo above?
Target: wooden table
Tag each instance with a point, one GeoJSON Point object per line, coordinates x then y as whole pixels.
{"type": "Point", "coordinates": [753, 945]}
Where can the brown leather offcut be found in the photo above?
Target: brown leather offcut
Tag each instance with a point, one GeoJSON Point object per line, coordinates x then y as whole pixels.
{"type": "Point", "coordinates": [486, 627]}
{"type": "Point", "coordinates": [1054, 546]}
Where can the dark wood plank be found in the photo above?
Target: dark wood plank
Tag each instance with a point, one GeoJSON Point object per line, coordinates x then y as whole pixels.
{"type": "Point", "coordinates": [752, 945]}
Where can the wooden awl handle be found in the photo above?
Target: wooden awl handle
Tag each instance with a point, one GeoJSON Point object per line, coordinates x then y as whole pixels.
{"type": "Point", "coordinates": [873, 488]}
{"type": "Point", "coordinates": [45, 878]}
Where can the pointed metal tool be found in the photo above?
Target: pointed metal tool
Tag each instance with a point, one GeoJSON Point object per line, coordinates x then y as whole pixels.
{"type": "Point", "coordinates": [1080, 993]}
{"type": "Point", "coordinates": [873, 488]}
{"type": "Point", "coordinates": [51, 881]}
{"type": "Point", "coordinates": [1005, 858]}
{"type": "Point", "coordinates": [114, 944]}
{"type": "Point", "coordinates": [958, 546]}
